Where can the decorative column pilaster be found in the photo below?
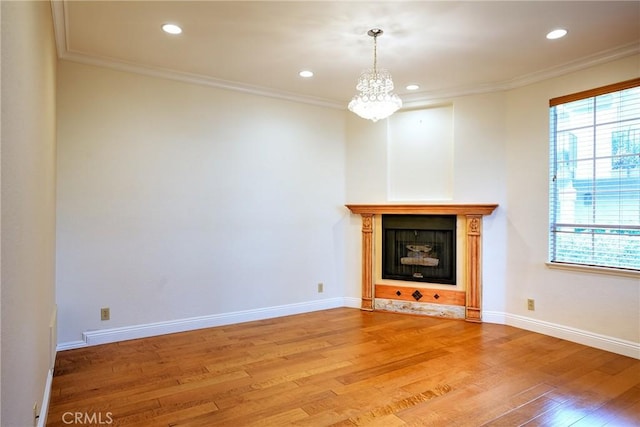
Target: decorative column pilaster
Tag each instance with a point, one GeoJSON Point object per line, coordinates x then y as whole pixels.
{"type": "Point", "coordinates": [473, 268]}
{"type": "Point", "coordinates": [367, 262]}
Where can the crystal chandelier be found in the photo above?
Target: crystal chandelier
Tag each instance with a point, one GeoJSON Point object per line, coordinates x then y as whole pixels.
{"type": "Point", "coordinates": [375, 99]}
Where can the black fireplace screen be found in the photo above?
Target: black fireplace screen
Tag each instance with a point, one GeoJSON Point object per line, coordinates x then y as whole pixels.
{"type": "Point", "coordinates": [419, 248]}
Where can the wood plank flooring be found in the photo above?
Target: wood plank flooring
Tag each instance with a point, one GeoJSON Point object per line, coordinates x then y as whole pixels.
{"type": "Point", "coordinates": [346, 367]}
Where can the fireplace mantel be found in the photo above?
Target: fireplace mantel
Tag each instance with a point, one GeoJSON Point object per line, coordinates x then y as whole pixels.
{"type": "Point", "coordinates": [430, 209]}
{"type": "Point", "coordinates": [473, 214]}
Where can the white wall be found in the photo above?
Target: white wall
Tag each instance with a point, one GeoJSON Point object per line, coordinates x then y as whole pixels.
{"type": "Point", "coordinates": [28, 206]}
{"type": "Point", "coordinates": [420, 154]}
{"type": "Point", "coordinates": [171, 197]}
{"type": "Point", "coordinates": [501, 156]}
{"type": "Point", "coordinates": [601, 304]}
{"type": "Point", "coordinates": [480, 176]}
{"type": "Point", "coordinates": [478, 171]}
{"type": "Point", "coordinates": [177, 200]}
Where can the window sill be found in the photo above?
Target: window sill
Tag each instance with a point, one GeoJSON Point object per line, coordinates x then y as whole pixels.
{"type": "Point", "coordinates": [594, 269]}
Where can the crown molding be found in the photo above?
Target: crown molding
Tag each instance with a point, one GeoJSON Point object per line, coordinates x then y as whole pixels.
{"type": "Point", "coordinates": [197, 79]}
{"type": "Point", "coordinates": [60, 24]}
{"type": "Point", "coordinates": [573, 66]}
{"type": "Point", "coordinates": [59, 14]}
{"type": "Point", "coordinates": [620, 52]}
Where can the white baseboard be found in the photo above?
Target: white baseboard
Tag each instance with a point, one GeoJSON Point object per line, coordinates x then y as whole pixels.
{"type": "Point", "coordinates": [105, 336]}
{"type": "Point", "coordinates": [70, 345]}
{"type": "Point", "coordinates": [603, 342]}
{"type": "Point", "coordinates": [44, 405]}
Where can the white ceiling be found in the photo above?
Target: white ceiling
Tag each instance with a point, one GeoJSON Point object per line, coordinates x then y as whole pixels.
{"type": "Point", "coordinates": [449, 48]}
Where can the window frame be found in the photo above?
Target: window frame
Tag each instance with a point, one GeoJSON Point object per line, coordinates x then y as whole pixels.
{"type": "Point", "coordinates": [553, 168]}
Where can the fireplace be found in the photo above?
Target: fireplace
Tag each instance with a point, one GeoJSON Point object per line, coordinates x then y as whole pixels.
{"type": "Point", "coordinates": [419, 248]}
{"type": "Point", "coordinates": [468, 296]}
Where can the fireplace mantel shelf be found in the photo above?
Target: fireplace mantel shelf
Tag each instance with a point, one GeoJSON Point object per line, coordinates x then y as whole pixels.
{"type": "Point", "coordinates": [472, 214]}
{"type": "Point", "coordinates": [433, 209]}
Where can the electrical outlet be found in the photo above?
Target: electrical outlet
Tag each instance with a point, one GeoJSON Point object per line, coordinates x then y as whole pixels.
{"type": "Point", "coordinates": [320, 287]}
{"type": "Point", "coordinates": [105, 313]}
{"type": "Point", "coordinates": [531, 304]}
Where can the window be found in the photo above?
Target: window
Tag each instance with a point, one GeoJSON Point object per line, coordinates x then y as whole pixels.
{"type": "Point", "coordinates": [594, 197]}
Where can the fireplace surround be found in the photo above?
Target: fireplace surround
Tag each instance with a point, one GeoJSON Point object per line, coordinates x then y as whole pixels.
{"type": "Point", "coordinates": [470, 299]}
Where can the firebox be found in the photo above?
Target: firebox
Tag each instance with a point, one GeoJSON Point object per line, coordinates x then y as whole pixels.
{"type": "Point", "coordinates": [419, 248]}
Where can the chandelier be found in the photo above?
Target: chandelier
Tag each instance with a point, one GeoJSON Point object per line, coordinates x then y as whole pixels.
{"type": "Point", "coordinates": [375, 99]}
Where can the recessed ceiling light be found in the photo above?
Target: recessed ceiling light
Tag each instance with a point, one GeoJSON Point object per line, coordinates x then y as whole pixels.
{"type": "Point", "coordinates": [557, 33]}
{"type": "Point", "coordinates": [413, 87]}
{"type": "Point", "coordinates": [305, 73]}
{"type": "Point", "coordinates": [171, 29]}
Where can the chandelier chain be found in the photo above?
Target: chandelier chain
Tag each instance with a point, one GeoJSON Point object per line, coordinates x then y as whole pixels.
{"type": "Point", "coordinates": [375, 53]}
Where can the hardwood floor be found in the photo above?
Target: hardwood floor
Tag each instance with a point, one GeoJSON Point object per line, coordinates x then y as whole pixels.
{"type": "Point", "coordinates": [346, 367]}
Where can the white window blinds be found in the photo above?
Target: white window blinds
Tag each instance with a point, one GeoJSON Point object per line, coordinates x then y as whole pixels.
{"type": "Point", "coordinates": [594, 195]}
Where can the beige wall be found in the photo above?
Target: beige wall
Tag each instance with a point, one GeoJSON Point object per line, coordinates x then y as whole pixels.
{"type": "Point", "coordinates": [177, 201]}
{"type": "Point", "coordinates": [151, 176]}
{"type": "Point", "coordinates": [28, 205]}
{"type": "Point", "coordinates": [153, 190]}
{"type": "Point", "coordinates": [599, 303]}
{"type": "Point", "coordinates": [477, 169]}
{"type": "Point", "coordinates": [501, 143]}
